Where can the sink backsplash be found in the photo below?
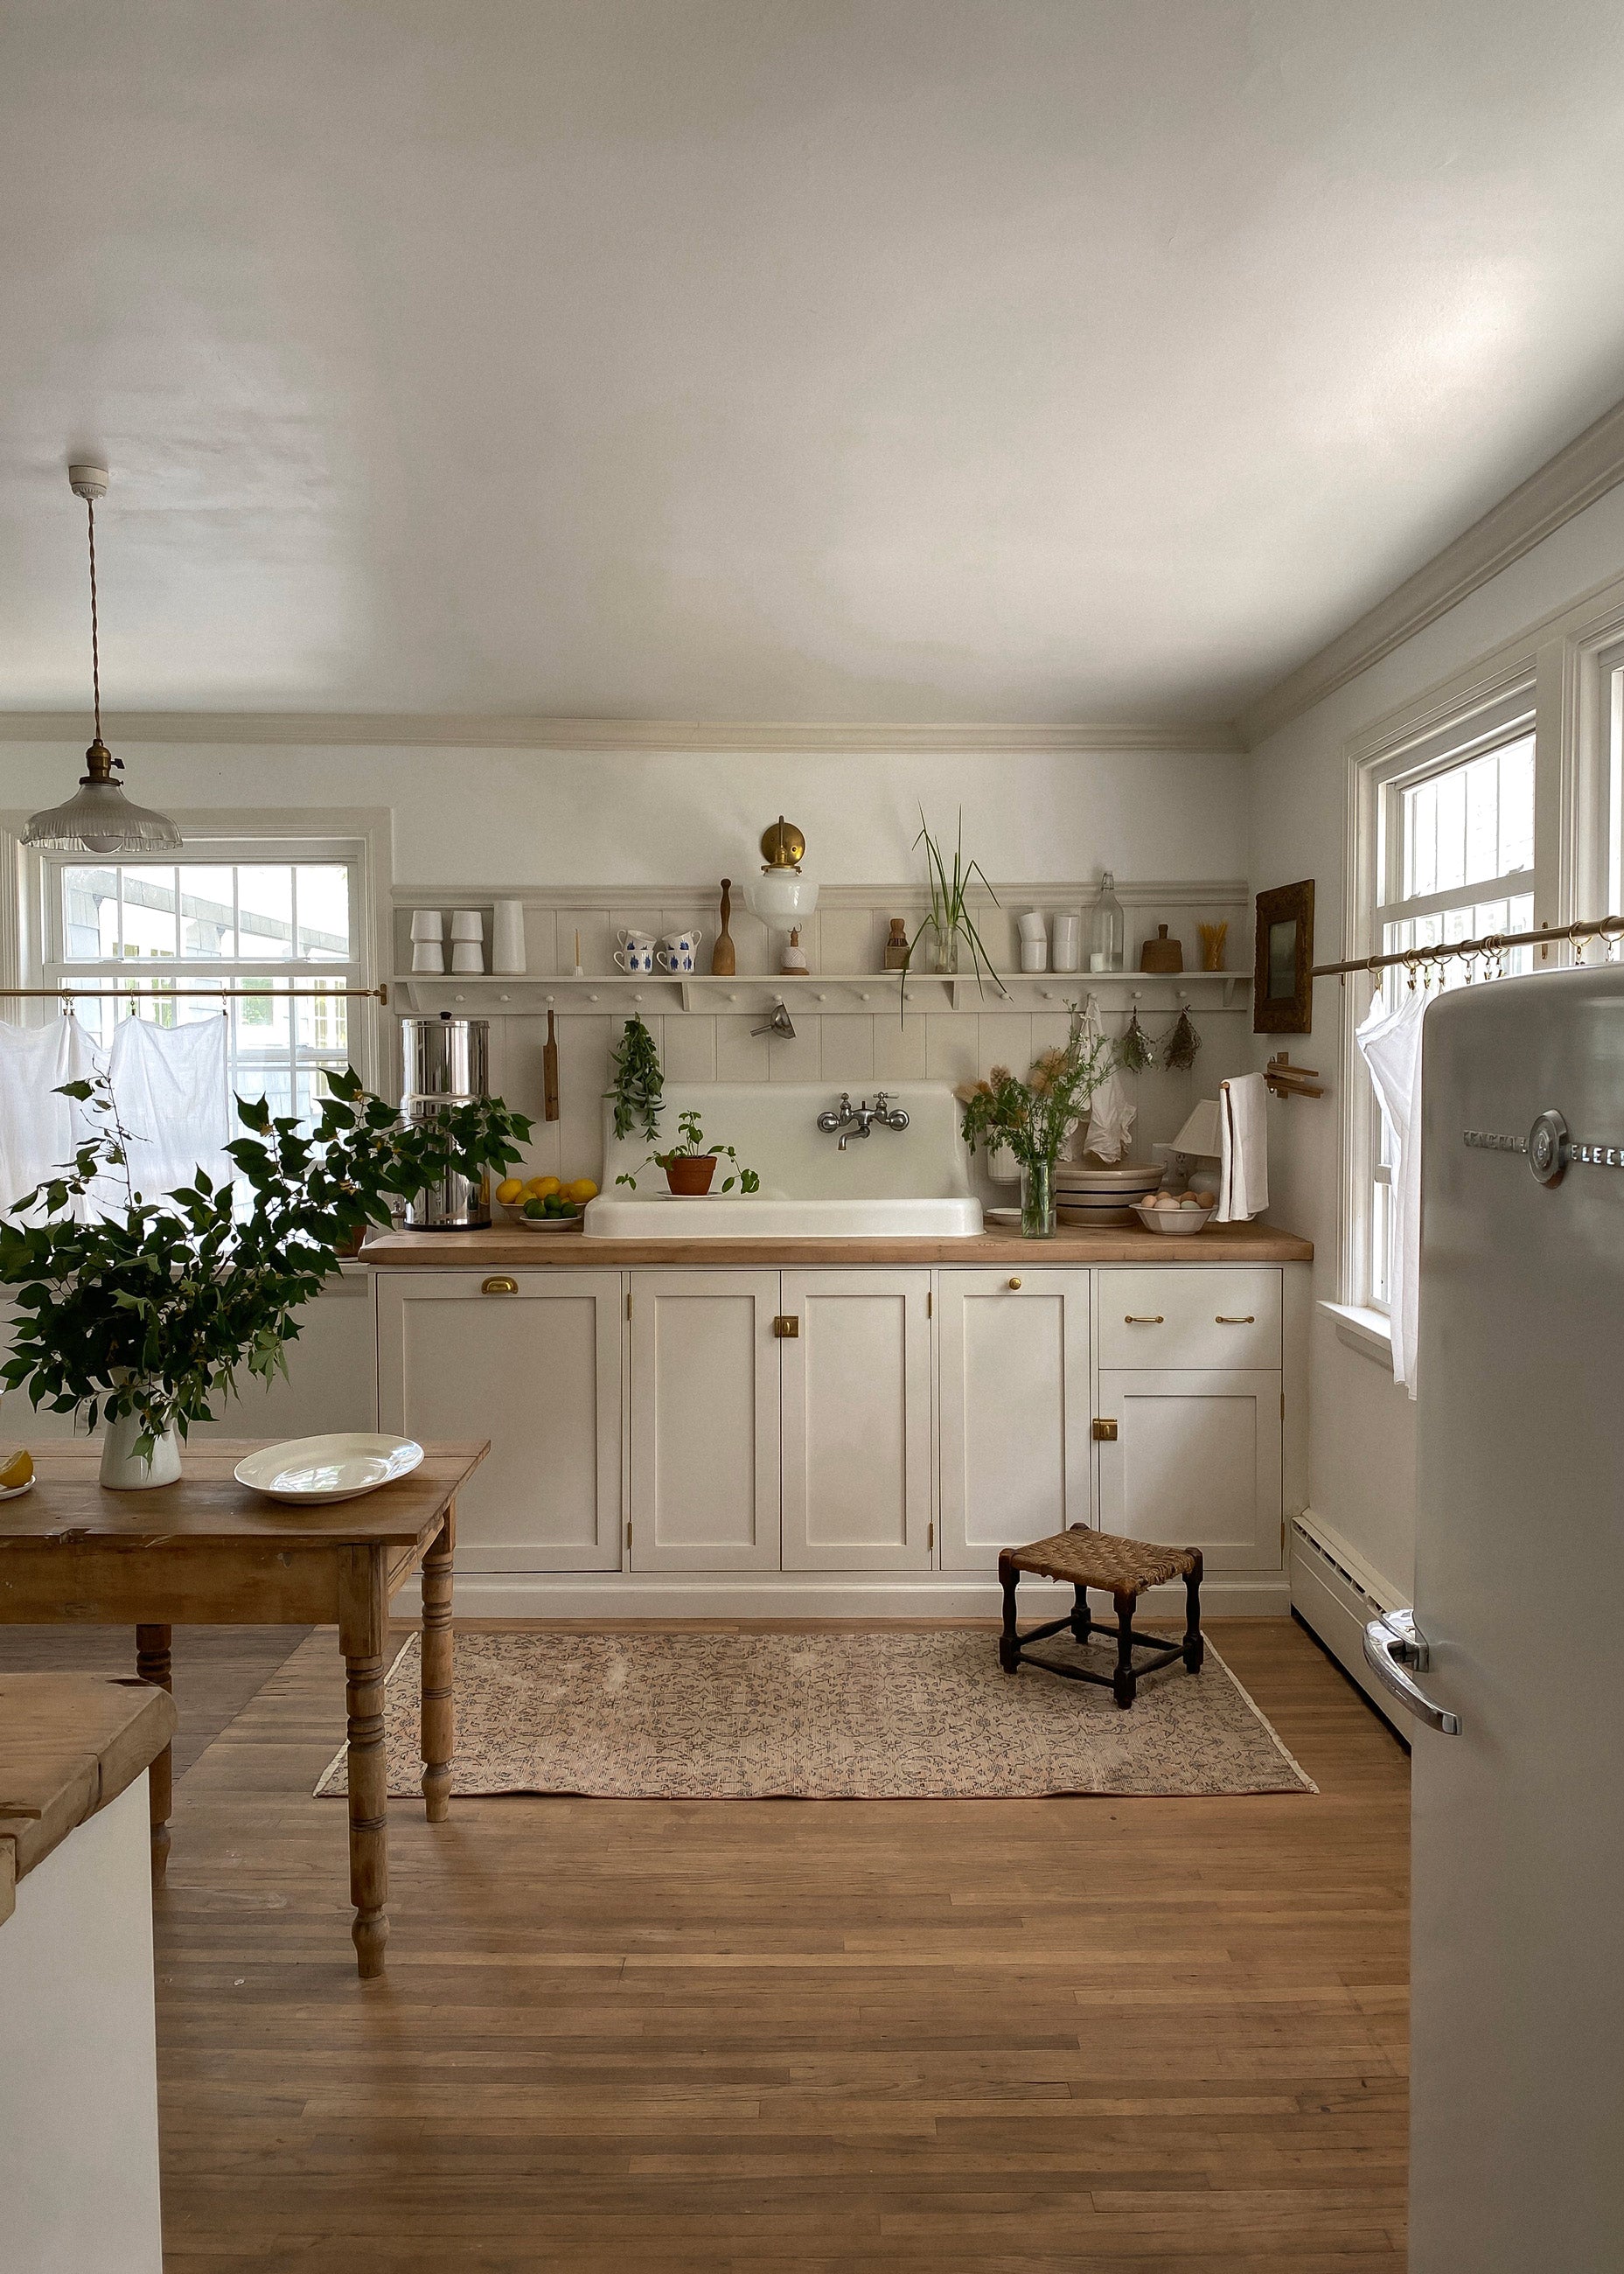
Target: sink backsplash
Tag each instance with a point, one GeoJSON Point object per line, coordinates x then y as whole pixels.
{"type": "Point", "coordinates": [773, 1126]}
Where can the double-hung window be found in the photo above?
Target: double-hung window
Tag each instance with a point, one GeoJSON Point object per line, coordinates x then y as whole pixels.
{"type": "Point", "coordinates": [273, 933]}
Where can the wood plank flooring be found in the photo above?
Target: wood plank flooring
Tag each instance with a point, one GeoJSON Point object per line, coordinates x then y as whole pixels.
{"type": "Point", "coordinates": [820, 2038]}
{"type": "Point", "coordinates": [216, 1670]}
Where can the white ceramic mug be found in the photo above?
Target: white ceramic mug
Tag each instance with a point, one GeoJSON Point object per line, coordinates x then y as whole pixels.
{"type": "Point", "coordinates": [679, 951]}
{"type": "Point", "coordinates": [1034, 954]}
{"type": "Point", "coordinates": [1032, 926]}
{"type": "Point", "coordinates": [635, 953]}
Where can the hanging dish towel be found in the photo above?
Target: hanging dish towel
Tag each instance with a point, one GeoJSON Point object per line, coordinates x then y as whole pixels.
{"type": "Point", "coordinates": [39, 1131]}
{"type": "Point", "coordinates": [1243, 1161]}
{"type": "Point", "coordinates": [169, 1087]}
{"type": "Point", "coordinates": [1391, 1044]}
{"type": "Point", "coordinates": [1111, 1113]}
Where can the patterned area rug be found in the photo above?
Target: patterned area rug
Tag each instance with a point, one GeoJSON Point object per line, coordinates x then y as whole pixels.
{"type": "Point", "coordinates": [905, 1716]}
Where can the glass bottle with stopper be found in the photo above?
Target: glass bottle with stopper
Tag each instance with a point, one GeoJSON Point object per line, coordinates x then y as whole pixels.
{"type": "Point", "coordinates": [1106, 929]}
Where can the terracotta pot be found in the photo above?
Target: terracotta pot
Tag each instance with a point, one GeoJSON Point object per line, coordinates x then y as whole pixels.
{"type": "Point", "coordinates": [691, 1173]}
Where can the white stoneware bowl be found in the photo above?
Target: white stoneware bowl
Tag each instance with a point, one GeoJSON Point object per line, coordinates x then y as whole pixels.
{"type": "Point", "coordinates": [313, 1470]}
{"type": "Point", "coordinates": [1178, 1223]}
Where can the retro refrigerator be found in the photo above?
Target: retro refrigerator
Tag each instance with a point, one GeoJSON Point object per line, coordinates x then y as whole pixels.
{"type": "Point", "coordinates": [1511, 1665]}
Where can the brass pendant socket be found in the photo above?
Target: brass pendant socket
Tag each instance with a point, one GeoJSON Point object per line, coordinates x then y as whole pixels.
{"type": "Point", "coordinates": [782, 847]}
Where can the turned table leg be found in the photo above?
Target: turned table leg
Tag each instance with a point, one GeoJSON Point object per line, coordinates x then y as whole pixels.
{"type": "Point", "coordinates": [362, 1621]}
{"type": "Point", "coordinates": [153, 1664]}
{"type": "Point", "coordinates": [439, 1738]}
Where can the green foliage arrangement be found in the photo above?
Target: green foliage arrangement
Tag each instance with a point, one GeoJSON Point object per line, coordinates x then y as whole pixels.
{"type": "Point", "coordinates": [692, 1143]}
{"type": "Point", "coordinates": [154, 1310]}
{"type": "Point", "coordinates": [950, 920]}
{"type": "Point", "coordinates": [638, 1082]}
{"type": "Point", "coordinates": [1032, 1118]}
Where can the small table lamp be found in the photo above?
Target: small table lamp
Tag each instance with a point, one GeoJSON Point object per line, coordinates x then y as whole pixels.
{"type": "Point", "coordinates": [1203, 1135]}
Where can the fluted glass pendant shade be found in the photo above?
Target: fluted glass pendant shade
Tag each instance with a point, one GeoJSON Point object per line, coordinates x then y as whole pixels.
{"type": "Point", "coordinates": [99, 819]}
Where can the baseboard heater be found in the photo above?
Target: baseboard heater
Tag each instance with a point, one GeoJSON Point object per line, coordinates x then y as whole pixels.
{"type": "Point", "coordinates": [1337, 1602]}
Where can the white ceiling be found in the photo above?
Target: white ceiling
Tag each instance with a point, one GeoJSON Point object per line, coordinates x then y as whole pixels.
{"type": "Point", "coordinates": [795, 359]}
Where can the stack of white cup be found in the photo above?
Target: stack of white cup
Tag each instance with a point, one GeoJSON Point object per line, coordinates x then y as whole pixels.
{"type": "Point", "coordinates": [428, 929]}
{"type": "Point", "coordinates": [467, 940]}
{"type": "Point", "coordinates": [1033, 942]}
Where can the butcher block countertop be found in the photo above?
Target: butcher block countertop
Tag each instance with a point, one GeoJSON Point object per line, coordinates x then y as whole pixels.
{"type": "Point", "coordinates": [476, 1251]}
{"type": "Point", "coordinates": [69, 1744]}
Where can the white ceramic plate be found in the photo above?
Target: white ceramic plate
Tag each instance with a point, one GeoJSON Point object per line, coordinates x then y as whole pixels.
{"type": "Point", "coordinates": [548, 1223]}
{"type": "Point", "coordinates": [1178, 1223]}
{"type": "Point", "coordinates": [313, 1470]}
{"type": "Point", "coordinates": [1009, 1216]}
{"type": "Point", "coordinates": [14, 1492]}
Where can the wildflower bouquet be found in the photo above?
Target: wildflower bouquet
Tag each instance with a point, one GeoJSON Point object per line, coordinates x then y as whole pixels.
{"type": "Point", "coordinates": [1034, 1118]}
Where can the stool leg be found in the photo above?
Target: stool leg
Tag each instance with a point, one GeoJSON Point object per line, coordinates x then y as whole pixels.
{"type": "Point", "coordinates": [1195, 1649]}
{"type": "Point", "coordinates": [1123, 1680]}
{"type": "Point", "coordinates": [1009, 1641]}
{"type": "Point", "coordinates": [1082, 1625]}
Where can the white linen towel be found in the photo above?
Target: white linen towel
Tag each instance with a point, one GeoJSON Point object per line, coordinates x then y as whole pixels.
{"type": "Point", "coordinates": [1391, 1044]}
{"type": "Point", "coordinates": [170, 1086]}
{"type": "Point", "coordinates": [1243, 1162]}
{"type": "Point", "coordinates": [1110, 1113]}
{"type": "Point", "coordinates": [39, 1131]}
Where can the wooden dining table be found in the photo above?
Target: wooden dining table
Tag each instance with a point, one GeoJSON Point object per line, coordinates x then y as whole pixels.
{"type": "Point", "coordinates": [206, 1551]}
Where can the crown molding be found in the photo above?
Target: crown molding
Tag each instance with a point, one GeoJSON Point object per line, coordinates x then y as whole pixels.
{"type": "Point", "coordinates": [375, 729]}
{"type": "Point", "coordinates": [1587, 469]}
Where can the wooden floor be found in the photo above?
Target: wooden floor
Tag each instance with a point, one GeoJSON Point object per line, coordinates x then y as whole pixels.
{"type": "Point", "coordinates": [819, 2038]}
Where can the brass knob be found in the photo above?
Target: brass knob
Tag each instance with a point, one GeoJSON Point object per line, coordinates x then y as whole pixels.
{"type": "Point", "coordinates": [500, 1286]}
{"type": "Point", "coordinates": [1014, 1283]}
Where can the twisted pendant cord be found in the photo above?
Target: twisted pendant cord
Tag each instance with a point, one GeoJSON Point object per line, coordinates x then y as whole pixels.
{"type": "Point", "coordinates": [95, 649]}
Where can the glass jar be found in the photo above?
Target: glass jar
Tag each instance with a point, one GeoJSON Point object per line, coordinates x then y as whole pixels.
{"type": "Point", "coordinates": [1108, 930]}
{"type": "Point", "coordinates": [1037, 1200]}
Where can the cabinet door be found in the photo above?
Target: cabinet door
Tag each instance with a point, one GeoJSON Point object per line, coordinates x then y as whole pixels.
{"type": "Point", "coordinates": [537, 1371]}
{"type": "Point", "coordinates": [704, 1421]}
{"type": "Point", "coordinates": [1195, 1463]}
{"type": "Point", "coordinates": [856, 1401]}
{"type": "Point", "coordinates": [1014, 1409]}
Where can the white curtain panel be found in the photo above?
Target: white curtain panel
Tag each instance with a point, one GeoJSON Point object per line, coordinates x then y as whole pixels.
{"type": "Point", "coordinates": [169, 1087]}
{"type": "Point", "coordinates": [39, 1131]}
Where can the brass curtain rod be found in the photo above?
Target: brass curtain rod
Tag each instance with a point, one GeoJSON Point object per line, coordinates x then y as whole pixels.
{"type": "Point", "coordinates": [144, 991]}
{"type": "Point", "coordinates": [1491, 944]}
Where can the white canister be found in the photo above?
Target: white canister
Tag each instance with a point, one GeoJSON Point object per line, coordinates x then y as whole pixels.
{"type": "Point", "coordinates": [467, 955]}
{"type": "Point", "coordinates": [428, 955]}
{"type": "Point", "coordinates": [1066, 946]}
{"type": "Point", "coordinates": [427, 923]}
{"type": "Point", "coordinates": [1033, 954]}
{"type": "Point", "coordinates": [508, 937]}
{"type": "Point", "coordinates": [467, 924]}
{"type": "Point", "coordinates": [1032, 925]}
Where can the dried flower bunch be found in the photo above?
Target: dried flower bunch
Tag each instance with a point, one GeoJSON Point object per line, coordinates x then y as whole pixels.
{"type": "Point", "coordinates": [1034, 1118]}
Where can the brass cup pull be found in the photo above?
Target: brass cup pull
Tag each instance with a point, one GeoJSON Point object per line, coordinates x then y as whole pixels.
{"type": "Point", "coordinates": [501, 1285]}
{"type": "Point", "coordinates": [1219, 1319]}
{"type": "Point", "coordinates": [1131, 1319]}
{"type": "Point", "coordinates": [1104, 1431]}
{"type": "Point", "coordinates": [1014, 1283]}
{"type": "Point", "coordinates": [786, 1326]}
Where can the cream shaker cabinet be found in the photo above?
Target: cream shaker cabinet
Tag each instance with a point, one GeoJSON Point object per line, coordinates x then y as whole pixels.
{"type": "Point", "coordinates": [1194, 1459]}
{"type": "Point", "coordinates": [855, 1397]}
{"type": "Point", "coordinates": [530, 1360]}
{"type": "Point", "coordinates": [1014, 1410]}
{"type": "Point", "coordinates": [704, 1421]}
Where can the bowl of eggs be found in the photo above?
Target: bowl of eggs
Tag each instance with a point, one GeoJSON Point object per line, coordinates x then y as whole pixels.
{"type": "Point", "coordinates": [1178, 1214]}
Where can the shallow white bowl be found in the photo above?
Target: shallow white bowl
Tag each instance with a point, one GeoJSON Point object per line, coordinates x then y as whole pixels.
{"type": "Point", "coordinates": [313, 1471]}
{"type": "Point", "coordinates": [1178, 1223]}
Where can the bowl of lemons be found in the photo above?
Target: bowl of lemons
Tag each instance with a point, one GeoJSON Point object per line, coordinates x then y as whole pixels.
{"type": "Point", "coordinates": [546, 1203]}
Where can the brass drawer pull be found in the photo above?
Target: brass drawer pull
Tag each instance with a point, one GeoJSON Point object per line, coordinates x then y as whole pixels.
{"type": "Point", "coordinates": [1131, 1319]}
{"type": "Point", "coordinates": [1014, 1283]}
{"type": "Point", "coordinates": [500, 1286]}
{"type": "Point", "coordinates": [786, 1326]}
{"type": "Point", "coordinates": [1219, 1319]}
{"type": "Point", "coordinates": [1104, 1431]}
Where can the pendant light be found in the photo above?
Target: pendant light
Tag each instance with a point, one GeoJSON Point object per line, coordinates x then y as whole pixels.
{"type": "Point", "coordinates": [100, 818]}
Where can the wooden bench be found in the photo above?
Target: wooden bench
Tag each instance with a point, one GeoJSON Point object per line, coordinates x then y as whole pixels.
{"type": "Point", "coordinates": [1122, 1568]}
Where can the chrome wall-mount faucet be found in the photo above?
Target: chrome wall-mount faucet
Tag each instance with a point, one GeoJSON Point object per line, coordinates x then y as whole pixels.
{"type": "Point", "coordinates": [847, 1117]}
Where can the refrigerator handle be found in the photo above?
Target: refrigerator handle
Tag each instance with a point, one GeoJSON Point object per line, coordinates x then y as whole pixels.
{"type": "Point", "coordinates": [1392, 1645]}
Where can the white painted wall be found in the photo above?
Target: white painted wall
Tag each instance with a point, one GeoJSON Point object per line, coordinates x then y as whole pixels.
{"type": "Point", "coordinates": [1362, 1463]}
{"type": "Point", "coordinates": [78, 2079]}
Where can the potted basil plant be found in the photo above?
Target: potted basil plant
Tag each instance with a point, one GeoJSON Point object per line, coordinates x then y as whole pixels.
{"type": "Point", "coordinates": [691, 1164]}
{"type": "Point", "coordinates": [142, 1319]}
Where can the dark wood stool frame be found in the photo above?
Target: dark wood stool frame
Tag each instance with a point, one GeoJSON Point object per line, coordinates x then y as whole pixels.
{"type": "Point", "coordinates": [1123, 1682]}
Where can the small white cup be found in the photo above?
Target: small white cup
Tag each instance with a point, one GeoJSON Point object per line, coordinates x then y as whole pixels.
{"type": "Point", "coordinates": [635, 953]}
{"type": "Point", "coordinates": [427, 923]}
{"type": "Point", "coordinates": [467, 924]}
{"type": "Point", "coordinates": [1032, 925]}
{"type": "Point", "coordinates": [1067, 946]}
{"type": "Point", "coordinates": [1035, 955]}
{"type": "Point", "coordinates": [427, 955]}
{"type": "Point", "coordinates": [467, 955]}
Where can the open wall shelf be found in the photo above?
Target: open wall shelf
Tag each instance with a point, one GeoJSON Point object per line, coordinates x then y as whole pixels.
{"type": "Point", "coordinates": [616, 995]}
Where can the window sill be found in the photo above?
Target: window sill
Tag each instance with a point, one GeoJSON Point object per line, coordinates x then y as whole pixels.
{"type": "Point", "coordinates": [1364, 1331]}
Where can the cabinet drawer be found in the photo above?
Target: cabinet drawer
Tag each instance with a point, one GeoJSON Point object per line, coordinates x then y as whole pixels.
{"type": "Point", "coordinates": [1166, 1317]}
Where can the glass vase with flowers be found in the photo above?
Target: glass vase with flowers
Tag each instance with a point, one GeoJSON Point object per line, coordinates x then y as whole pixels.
{"type": "Point", "coordinates": [1034, 1118]}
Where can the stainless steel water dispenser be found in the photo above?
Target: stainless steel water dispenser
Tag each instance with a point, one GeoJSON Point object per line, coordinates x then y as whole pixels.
{"type": "Point", "coordinates": [444, 1064]}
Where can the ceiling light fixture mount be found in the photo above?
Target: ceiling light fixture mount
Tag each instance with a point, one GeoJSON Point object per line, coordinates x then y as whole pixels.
{"type": "Point", "coordinates": [100, 818]}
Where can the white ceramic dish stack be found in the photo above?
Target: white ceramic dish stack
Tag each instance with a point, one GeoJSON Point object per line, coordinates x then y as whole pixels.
{"type": "Point", "coordinates": [313, 1472]}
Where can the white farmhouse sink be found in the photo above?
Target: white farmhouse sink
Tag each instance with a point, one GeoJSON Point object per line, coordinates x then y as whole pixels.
{"type": "Point", "coordinates": [906, 1184]}
{"type": "Point", "coordinates": [664, 1217]}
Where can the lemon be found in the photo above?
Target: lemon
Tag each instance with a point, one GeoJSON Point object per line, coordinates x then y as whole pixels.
{"type": "Point", "coordinates": [539, 1188]}
{"type": "Point", "coordinates": [510, 1192]}
{"type": "Point", "coordinates": [583, 1189]}
{"type": "Point", "coordinates": [16, 1468]}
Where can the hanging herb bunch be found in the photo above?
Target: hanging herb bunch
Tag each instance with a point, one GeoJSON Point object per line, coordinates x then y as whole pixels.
{"type": "Point", "coordinates": [637, 1083]}
{"type": "Point", "coordinates": [1134, 1051]}
{"type": "Point", "coordinates": [1179, 1052]}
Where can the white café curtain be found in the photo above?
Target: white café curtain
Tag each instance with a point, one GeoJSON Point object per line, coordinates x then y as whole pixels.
{"type": "Point", "coordinates": [1391, 1043]}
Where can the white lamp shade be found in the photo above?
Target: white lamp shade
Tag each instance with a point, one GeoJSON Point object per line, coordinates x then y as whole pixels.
{"type": "Point", "coordinates": [1203, 1133]}
{"type": "Point", "coordinates": [782, 897]}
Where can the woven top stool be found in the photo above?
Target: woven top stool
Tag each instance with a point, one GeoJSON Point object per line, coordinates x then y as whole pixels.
{"type": "Point", "coordinates": [1123, 1568]}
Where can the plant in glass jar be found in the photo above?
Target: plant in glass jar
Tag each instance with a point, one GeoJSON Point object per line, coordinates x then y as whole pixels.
{"type": "Point", "coordinates": [1032, 1119]}
{"type": "Point", "coordinates": [141, 1317]}
{"type": "Point", "coordinates": [948, 926]}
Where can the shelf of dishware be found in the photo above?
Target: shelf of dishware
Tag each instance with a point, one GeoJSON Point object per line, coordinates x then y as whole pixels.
{"type": "Point", "coordinates": [618, 994]}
